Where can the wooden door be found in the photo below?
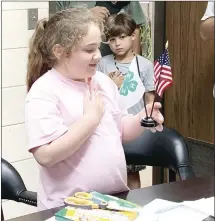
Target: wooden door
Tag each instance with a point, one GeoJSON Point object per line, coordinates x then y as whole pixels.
{"type": "Point", "coordinates": [189, 103]}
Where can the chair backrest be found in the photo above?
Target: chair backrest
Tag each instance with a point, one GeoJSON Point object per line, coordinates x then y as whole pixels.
{"type": "Point", "coordinates": [12, 183]}
{"type": "Point", "coordinates": [163, 149]}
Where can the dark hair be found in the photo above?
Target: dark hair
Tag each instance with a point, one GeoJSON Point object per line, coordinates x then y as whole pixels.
{"type": "Point", "coordinates": [119, 24]}
{"type": "Point", "coordinates": [67, 28]}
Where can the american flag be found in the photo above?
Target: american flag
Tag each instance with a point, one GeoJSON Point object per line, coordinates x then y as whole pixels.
{"type": "Point", "coordinates": [162, 73]}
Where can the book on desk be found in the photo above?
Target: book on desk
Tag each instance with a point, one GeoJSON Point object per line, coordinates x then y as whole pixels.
{"type": "Point", "coordinates": [115, 209]}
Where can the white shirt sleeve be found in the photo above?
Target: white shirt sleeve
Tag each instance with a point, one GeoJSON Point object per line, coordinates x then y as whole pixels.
{"type": "Point", "coordinates": [209, 11]}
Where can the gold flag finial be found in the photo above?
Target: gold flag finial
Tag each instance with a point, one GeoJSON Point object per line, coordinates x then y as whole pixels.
{"type": "Point", "coordinates": [166, 46]}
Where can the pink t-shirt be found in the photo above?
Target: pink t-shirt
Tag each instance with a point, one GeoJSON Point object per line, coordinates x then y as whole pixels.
{"type": "Point", "coordinates": [52, 105]}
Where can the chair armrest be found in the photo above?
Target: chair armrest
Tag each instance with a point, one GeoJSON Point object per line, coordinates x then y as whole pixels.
{"type": "Point", "coordinates": [28, 197]}
{"type": "Point", "coordinates": [163, 149]}
{"type": "Point", "coordinates": [185, 172]}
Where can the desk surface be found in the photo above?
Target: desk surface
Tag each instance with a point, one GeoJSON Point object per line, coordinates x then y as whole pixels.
{"type": "Point", "coordinates": [192, 189]}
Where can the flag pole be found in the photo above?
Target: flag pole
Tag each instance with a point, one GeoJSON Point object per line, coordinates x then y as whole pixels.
{"type": "Point", "coordinates": [166, 47]}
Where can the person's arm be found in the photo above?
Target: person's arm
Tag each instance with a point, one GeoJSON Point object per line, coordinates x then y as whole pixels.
{"type": "Point", "coordinates": [207, 23]}
{"type": "Point", "coordinates": [137, 42]}
{"type": "Point", "coordinates": [50, 140]}
{"type": "Point", "coordinates": [50, 154]}
{"type": "Point", "coordinates": [130, 124]}
{"type": "Point", "coordinates": [101, 12]}
{"type": "Point", "coordinates": [62, 5]}
{"type": "Point", "coordinates": [207, 29]}
{"type": "Point", "coordinates": [131, 127]}
{"type": "Point", "coordinates": [134, 9]}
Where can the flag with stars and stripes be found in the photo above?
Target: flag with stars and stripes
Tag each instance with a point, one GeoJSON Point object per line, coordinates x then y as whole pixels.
{"type": "Point", "coordinates": [162, 73]}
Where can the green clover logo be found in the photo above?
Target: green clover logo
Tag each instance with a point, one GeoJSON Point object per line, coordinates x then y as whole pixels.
{"type": "Point", "coordinates": [129, 84]}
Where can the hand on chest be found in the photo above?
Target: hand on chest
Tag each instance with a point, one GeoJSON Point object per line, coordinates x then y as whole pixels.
{"type": "Point", "coordinates": [71, 105]}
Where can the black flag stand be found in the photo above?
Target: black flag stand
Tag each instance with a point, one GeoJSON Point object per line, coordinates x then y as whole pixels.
{"type": "Point", "coordinates": [148, 121]}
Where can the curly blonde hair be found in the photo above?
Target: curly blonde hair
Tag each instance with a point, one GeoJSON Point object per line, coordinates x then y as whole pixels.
{"type": "Point", "coordinates": [66, 28]}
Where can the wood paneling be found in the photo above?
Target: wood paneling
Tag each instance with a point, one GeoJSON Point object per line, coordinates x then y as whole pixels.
{"type": "Point", "coordinates": [159, 37]}
{"type": "Point", "coordinates": [189, 103]}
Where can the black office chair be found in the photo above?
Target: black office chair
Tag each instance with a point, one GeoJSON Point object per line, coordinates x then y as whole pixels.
{"type": "Point", "coordinates": [13, 187]}
{"type": "Point", "coordinates": [166, 149]}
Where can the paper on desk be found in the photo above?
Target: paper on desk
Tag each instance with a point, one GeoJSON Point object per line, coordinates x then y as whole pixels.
{"type": "Point", "coordinates": [163, 210]}
{"type": "Point", "coordinates": [182, 213]}
{"type": "Point", "coordinates": [205, 205]}
{"type": "Point", "coordinates": [159, 205]}
{"type": "Point", "coordinates": [51, 219]}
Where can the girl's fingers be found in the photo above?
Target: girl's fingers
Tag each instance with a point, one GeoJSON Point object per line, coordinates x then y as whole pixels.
{"type": "Point", "coordinates": [157, 116]}
{"type": "Point", "coordinates": [153, 130]}
{"type": "Point", "coordinates": [117, 74]}
{"type": "Point", "coordinates": [157, 105]}
{"type": "Point", "coordinates": [159, 127]}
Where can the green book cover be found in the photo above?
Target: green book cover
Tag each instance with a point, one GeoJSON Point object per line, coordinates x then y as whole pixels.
{"type": "Point", "coordinates": [78, 214]}
{"type": "Point", "coordinates": [115, 201]}
{"type": "Point", "coordinates": [117, 210]}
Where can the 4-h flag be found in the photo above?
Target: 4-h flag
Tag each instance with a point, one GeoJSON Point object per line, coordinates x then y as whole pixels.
{"type": "Point", "coordinates": [132, 89]}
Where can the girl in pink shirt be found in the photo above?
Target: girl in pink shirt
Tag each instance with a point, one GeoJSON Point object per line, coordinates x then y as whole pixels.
{"type": "Point", "coordinates": [75, 128]}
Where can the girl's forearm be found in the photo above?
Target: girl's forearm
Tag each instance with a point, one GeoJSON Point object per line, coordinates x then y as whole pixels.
{"type": "Point", "coordinates": [131, 127]}
{"type": "Point", "coordinates": [66, 145]}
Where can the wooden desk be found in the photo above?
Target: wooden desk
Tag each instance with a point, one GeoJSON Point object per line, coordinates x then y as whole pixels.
{"type": "Point", "coordinates": [192, 189]}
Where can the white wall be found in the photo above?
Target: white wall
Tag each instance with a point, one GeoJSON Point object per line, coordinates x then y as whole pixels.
{"type": "Point", "coordinates": [15, 38]}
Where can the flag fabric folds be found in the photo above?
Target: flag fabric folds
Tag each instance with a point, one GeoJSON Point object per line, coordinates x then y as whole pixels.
{"type": "Point", "coordinates": [162, 73]}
